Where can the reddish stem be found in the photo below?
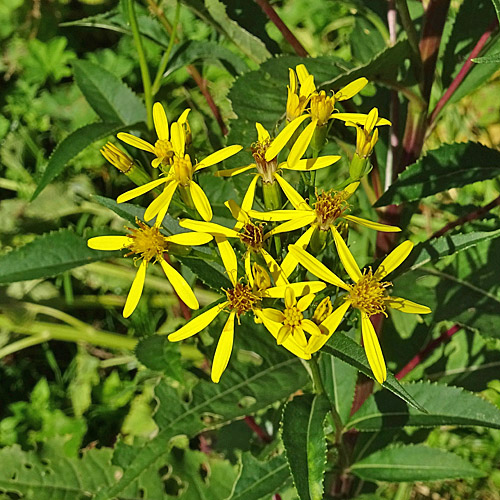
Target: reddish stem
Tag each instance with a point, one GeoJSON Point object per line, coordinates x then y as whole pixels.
{"type": "Point", "coordinates": [467, 218]}
{"type": "Point", "coordinates": [287, 34]}
{"type": "Point", "coordinates": [426, 351]}
{"type": "Point", "coordinates": [463, 71]}
{"type": "Point", "coordinates": [261, 433]}
{"type": "Point", "coordinates": [186, 312]}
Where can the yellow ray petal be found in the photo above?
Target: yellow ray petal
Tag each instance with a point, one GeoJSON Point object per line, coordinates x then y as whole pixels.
{"type": "Point", "coordinates": [307, 86]}
{"type": "Point", "coordinates": [373, 225]}
{"type": "Point", "coordinates": [283, 137]}
{"type": "Point", "coordinates": [179, 284]}
{"type": "Point", "coordinates": [275, 270]}
{"type": "Point", "coordinates": [218, 156]}
{"type": "Point", "coordinates": [240, 215]}
{"type": "Point", "coordinates": [295, 199]}
{"type": "Point", "coordinates": [178, 139]}
{"type": "Point", "coordinates": [248, 268]}
{"type": "Point", "coordinates": [201, 202]}
{"type": "Point", "coordinates": [208, 227]}
{"type": "Point", "coordinates": [310, 164]}
{"type": "Point", "coordinates": [305, 301]}
{"type": "Point", "coordinates": [184, 115]}
{"type": "Point", "coordinates": [160, 202]}
{"type": "Point", "coordinates": [290, 300]}
{"type": "Point", "coordinates": [197, 324]}
{"type": "Point", "coordinates": [273, 315]}
{"type": "Point", "coordinates": [301, 144]}
{"type": "Point", "coordinates": [346, 257]}
{"type": "Point", "coordinates": [230, 172]}
{"type": "Point", "coordinates": [351, 89]}
{"type": "Point", "coordinates": [161, 215]}
{"type": "Point", "coordinates": [293, 80]}
{"type": "Point", "coordinates": [351, 189]}
{"type": "Point", "coordinates": [136, 142]}
{"type": "Point", "coordinates": [278, 215]}
{"type": "Point", "coordinates": [406, 306]}
{"type": "Point", "coordinates": [283, 334]}
{"type": "Point", "coordinates": [310, 327]}
{"type": "Point", "coordinates": [160, 121]}
{"type": "Point", "coordinates": [109, 242]}
{"type": "Point", "coordinates": [393, 260]}
{"type": "Point", "coordinates": [290, 262]}
{"type": "Point", "coordinates": [224, 348]}
{"type": "Point", "coordinates": [299, 337]}
{"type": "Point", "coordinates": [135, 291]}
{"type": "Point", "coordinates": [262, 133]}
{"type": "Point", "coordinates": [189, 239]}
{"type": "Point", "coordinates": [138, 191]}
{"type": "Point", "coordinates": [156, 162]}
{"type": "Point", "coordinates": [328, 328]}
{"type": "Point", "coordinates": [247, 202]}
{"type": "Point", "coordinates": [228, 257]}
{"type": "Point", "coordinates": [372, 349]}
{"type": "Point", "coordinates": [292, 225]}
{"type": "Point", "coordinates": [301, 288]}
{"type": "Point", "coordinates": [358, 118]}
{"type": "Point", "coordinates": [314, 266]}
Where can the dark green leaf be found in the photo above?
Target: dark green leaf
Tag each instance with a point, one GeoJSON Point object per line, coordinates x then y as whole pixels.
{"type": "Point", "coordinates": [305, 444]}
{"type": "Point", "coordinates": [158, 354]}
{"type": "Point", "coordinates": [70, 146]}
{"type": "Point", "coordinates": [413, 463]}
{"type": "Point", "coordinates": [339, 380]}
{"type": "Point", "coordinates": [445, 405]}
{"type": "Point", "coordinates": [258, 479]}
{"type": "Point", "coordinates": [352, 353]}
{"type": "Point", "coordinates": [450, 166]}
{"type": "Point", "coordinates": [108, 96]}
{"type": "Point", "coordinates": [48, 255]}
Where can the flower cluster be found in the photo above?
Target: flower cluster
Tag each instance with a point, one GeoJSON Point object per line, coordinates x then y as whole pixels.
{"type": "Point", "coordinates": [292, 231]}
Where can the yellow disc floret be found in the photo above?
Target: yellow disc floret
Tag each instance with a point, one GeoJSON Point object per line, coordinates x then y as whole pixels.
{"type": "Point", "coordinates": [241, 299]}
{"type": "Point", "coordinates": [163, 150]}
{"type": "Point", "coordinates": [147, 242]}
{"type": "Point", "coordinates": [266, 169]}
{"type": "Point", "coordinates": [322, 107]}
{"type": "Point", "coordinates": [369, 294]}
{"type": "Point", "coordinates": [182, 169]}
{"type": "Point", "coordinates": [293, 317]}
{"type": "Point", "coordinates": [330, 205]}
{"type": "Point", "coordinates": [252, 236]}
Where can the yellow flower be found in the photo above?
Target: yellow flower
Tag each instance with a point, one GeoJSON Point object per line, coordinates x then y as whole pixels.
{"type": "Point", "coordinates": [148, 244]}
{"type": "Point", "coordinates": [250, 234]}
{"type": "Point", "coordinates": [299, 91]}
{"type": "Point", "coordinates": [163, 148]}
{"type": "Point", "coordinates": [267, 168]}
{"type": "Point", "coordinates": [180, 175]}
{"type": "Point", "coordinates": [240, 299]}
{"type": "Point", "coordinates": [368, 294]}
{"type": "Point", "coordinates": [366, 135]}
{"type": "Point", "coordinates": [329, 209]}
{"type": "Point", "coordinates": [291, 321]}
{"type": "Point", "coordinates": [117, 157]}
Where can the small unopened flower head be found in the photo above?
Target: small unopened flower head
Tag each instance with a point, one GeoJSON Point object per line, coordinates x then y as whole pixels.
{"type": "Point", "coordinates": [323, 310]}
{"type": "Point", "coordinates": [299, 91]}
{"type": "Point", "coordinates": [367, 135]}
{"type": "Point", "coordinates": [322, 107]}
{"type": "Point", "coordinates": [261, 278]}
{"type": "Point", "coordinates": [117, 157]}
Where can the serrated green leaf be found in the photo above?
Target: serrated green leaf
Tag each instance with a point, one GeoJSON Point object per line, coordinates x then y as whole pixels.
{"type": "Point", "coordinates": [305, 444]}
{"type": "Point", "coordinates": [70, 146]}
{"type": "Point", "coordinates": [445, 405]}
{"type": "Point", "coordinates": [243, 390]}
{"type": "Point", "coordinates": [413, 463]}
{"type": "Point", "coordinates": [194, 50]}
{"type": "Point", "coordinates": [48, 255]}
{"type": "Point", "coordinates": [450, 166]}
{"type": "Point", "coordinates": [339, 380]}
{"type": "Point", "coordinates": [108, 96]}
{"type": "Point", "coordinates": [157, 353]}
{"type": "Point", "coordinates": [494, 58]}
{"type": "Point", "coordinates": [258, 479]}
{"type": "Point", "coordinates": [352, 353]}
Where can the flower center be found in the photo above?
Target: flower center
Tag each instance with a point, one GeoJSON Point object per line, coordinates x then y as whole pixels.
{"type": "Point", "coordinates": [241, 298]}
{"type": "Point", "coordinates": [163, 150]}
{"type": "Point", "coordinates": [183, 170]}
{"type": "Point", "coordinates": [266, 169]}
{"type": "Point", "coordinates": [369, 294]}
{"type": "Point", "coordinates": [293, 317]}
{"type": "Point", "coordinates": [252, 236]}
{"type": "Point", "coordinates": [147, 242]}
{"type": "Point", "coordinates": [322, 107]}
{"type": "Point", "coordinates": [329, 207]}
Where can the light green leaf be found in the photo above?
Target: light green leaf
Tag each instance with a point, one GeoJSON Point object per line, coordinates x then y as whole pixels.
{"type": "Point", "coordinates": [352, 353]}
{"type": "Point", "coordinates": [258, 479]}
{"type": "Point", "coordinates": [243, 390]}
{"type": "Point", "coordinates": [339, 380]}
{"type": "Point", "coordinates": [108, 96]}
{"type": "Point", "coordinates": [48, 255]}
{"type": "Point", "coordinates": [494, 58]}
{"type": "Point", "coordinates": [413, 463]}
{"type": "Point", "coordinates": [445, 405]}
{"type": "Point", "coordinates": [450, 166]}
{"type": "Point", "coordinates": [70, 146]}
{"type": "Point", "coordinates": [305, 444]}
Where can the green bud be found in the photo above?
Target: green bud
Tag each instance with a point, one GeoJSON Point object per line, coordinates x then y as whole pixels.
{"type": "Point", "coordinates": [318, 241]}
{"type": "Point", "coordinates": [272, 195]}
{"type": "Point", "coordinates": [359, 167]}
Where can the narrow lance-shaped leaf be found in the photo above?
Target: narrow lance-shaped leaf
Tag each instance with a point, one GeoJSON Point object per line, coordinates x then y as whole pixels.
{"type": "Point", "coordinates": [445, 405]}
{"type": "Point", "coordinates": [413, 463]}
{"type": "Point", "coordinates": [305, 444]}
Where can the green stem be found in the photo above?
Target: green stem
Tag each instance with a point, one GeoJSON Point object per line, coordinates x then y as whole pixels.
{"type": "Point", "coordinates": [146, 80]}
{"type": "Point", "coordinates": [24, 343]}
{"type": "Point", "coordinates": [166, 56]}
